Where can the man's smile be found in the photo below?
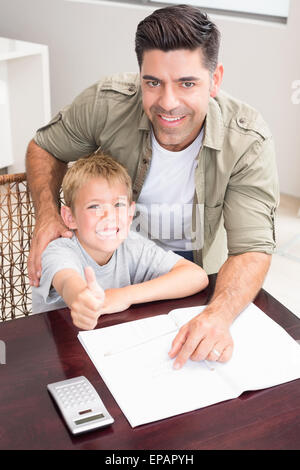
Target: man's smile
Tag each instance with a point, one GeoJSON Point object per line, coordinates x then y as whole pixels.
{"type": "Point", "coordinates": [170, 121]}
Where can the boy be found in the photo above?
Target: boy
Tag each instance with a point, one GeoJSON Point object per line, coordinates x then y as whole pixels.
{"type": "Point", "coordinates": [105, 268]}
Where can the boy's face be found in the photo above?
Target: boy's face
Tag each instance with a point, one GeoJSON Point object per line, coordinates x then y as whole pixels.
{"type": "Point", "coordinates": [102, 217]}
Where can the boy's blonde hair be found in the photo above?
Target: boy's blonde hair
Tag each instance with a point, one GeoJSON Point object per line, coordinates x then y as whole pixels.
{"type": "Point", "coordinates": [93, 166]}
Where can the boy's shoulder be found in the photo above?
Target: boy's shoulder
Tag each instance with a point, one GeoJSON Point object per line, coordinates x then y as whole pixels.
{"type": "Point", "coordinates": [61, 244]}
{"type": "Point", "coordinates": [63, 241]}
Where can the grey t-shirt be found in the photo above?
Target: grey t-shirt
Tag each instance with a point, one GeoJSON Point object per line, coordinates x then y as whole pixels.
{"type": "Point", "coordinates": [136, 260]}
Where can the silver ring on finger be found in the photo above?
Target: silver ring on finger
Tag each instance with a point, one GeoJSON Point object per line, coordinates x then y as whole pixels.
{"type": "Point", "coordinates": [216, 352]}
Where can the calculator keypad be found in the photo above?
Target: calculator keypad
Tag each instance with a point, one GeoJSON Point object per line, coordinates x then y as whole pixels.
{"type": "Point", "coordinates": [75, 394]}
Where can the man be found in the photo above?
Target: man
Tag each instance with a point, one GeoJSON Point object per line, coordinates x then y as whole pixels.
{"type": "Point", "coordinates": [173, 113]}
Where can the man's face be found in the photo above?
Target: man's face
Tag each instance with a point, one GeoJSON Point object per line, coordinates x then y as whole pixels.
{"type": "Point", "coordinates": [176, 88]}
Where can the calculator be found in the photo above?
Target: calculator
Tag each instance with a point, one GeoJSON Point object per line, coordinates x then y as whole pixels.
{"type": "Point", "coordinates": [80, 405]}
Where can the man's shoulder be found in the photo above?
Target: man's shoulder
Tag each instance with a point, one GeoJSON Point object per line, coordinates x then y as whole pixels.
{"type": "Point", "coordinates": [124, 84]}
{"type": "Point", "coordinates": [240, 116]}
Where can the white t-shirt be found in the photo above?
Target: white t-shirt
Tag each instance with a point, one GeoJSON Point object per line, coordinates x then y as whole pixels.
{"type": "Point", "coordinates": [164, 208]}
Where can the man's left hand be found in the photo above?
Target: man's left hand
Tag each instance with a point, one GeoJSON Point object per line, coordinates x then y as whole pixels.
{"type": "Point", "coordinates": [206, 336]}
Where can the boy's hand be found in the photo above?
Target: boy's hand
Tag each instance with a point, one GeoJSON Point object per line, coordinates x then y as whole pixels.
{"type": "Point", "coordinates": [86, 308]}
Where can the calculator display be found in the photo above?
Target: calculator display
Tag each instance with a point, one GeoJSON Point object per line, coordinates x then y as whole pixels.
{"type": "Point", "coordinates": [90, 418]}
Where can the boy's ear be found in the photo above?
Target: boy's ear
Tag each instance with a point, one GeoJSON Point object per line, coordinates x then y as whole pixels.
{"type": "Point", "coordinates": [67, 216]}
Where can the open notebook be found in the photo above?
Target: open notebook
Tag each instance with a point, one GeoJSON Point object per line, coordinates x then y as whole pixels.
{"type": "Point", "coordinates": [132, 358]}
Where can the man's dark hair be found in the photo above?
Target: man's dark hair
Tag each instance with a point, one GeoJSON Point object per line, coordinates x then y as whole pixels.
{"type": "Point", "coordinates": [178, 27]}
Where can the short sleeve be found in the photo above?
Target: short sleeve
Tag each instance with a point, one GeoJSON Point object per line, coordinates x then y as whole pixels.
{"type": "Point", "coordinates": [58, 255]}
{"type": "Point", "coordinates": [251, 200]}
{"type": "Point", "coordinates": [74, 131]}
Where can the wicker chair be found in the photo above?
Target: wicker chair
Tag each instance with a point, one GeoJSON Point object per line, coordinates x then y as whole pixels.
{"type": "Point", "coordinates": [16, 228]}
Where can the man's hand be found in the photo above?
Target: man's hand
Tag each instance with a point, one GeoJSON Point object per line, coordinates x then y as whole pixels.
{"type": "Point", "coordinates": [86, 307]}
{"type": "Point", "coordinates": [44, 175]}
{"type": "Point", "coordinates": [47, 229]}
{"type": "Point", "coordinates": [206, 336]}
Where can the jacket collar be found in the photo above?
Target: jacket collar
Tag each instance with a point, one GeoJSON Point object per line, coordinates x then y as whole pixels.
{"type": "Point", "coordinates": [214, 126]}
{"type": "Point", "coordinates": [144, 124]}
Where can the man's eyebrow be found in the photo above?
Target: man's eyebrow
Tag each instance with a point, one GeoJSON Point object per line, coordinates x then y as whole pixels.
{"type": "Point", "coordinates": [188, 79]}
{"type": "Point", "coordinates": [181, 79]}
{"type": "Point", "coordinates": [150, 77]}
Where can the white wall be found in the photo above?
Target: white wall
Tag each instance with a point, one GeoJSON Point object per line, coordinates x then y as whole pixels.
{"type": "Point", "coordinates": [88, 40]}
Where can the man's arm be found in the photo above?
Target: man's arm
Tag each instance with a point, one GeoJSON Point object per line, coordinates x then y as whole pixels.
{"type": "Point", "coordinates": [238, 282]}
{"type": "Point", "coordinates": [44, 175]}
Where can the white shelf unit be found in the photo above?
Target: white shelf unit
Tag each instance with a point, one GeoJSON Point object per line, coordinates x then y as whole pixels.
{"type": "Point", "coordinates": [24, 98]}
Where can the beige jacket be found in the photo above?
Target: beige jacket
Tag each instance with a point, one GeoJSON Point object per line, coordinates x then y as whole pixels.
{"type": "Point", "coordinates": [236, 178]}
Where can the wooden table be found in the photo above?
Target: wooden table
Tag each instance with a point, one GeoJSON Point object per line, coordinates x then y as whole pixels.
{"type": "Point", "coordinates": [44, 348]}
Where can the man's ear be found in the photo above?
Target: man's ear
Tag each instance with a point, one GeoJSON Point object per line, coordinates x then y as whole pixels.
{"type": "Point", "coordinates": [216, 80]}
{"type": "Point", "coordinates": [67, 216]}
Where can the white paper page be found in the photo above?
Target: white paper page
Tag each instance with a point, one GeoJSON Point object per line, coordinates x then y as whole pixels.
{"type": "Point", "coordinates": [147, 388]}
{"type": "Point", "coordinates": [118, 338]}
{"type": "Point", "coordinates": [181, 316]}
{"type": "Point", "coordinates": [264, 353]}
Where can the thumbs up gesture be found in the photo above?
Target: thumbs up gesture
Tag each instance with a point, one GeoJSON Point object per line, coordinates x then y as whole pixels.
{"type": "Point", "coordinates": [93, 285]}
{"type": "Point", "coordinates": [86, 307]}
